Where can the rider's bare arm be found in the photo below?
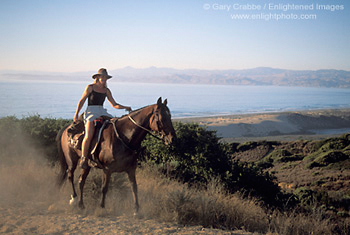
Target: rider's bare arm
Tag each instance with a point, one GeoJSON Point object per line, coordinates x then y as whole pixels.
{"type": "Point", "coordinates": [115, 104]}
{"type": "Point", "coordinates": [82, 100]}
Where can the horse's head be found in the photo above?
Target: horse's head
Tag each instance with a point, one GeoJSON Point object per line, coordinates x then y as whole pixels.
{"type": "Point", "coordinates": [160, 122]}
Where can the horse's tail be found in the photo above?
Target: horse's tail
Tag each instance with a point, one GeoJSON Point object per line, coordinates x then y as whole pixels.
{"type": "Point", "coordinates": [63, 164]}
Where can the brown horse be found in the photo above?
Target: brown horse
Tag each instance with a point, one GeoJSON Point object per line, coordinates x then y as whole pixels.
{"type": "Point", "coordinates": [118, 147]}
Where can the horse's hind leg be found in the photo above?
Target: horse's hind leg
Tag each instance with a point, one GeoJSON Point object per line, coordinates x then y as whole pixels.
{"type": "Point", "coordinates": [106, 176]}
{"type": "Point", "coordinates": [132, 179]}
{"type": "Point", "coordinates": [83, 175]}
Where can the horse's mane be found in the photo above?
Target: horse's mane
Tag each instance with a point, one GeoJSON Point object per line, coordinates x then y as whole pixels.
{"type": "Point", "coordinates": [135, 111]}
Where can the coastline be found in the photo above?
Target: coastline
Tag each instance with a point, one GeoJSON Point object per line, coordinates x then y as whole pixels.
{"type": "Point", "coordinates": [277, 126]}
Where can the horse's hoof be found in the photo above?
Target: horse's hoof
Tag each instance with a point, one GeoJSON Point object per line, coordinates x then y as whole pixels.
{"type": "Point", "coordinates": [138, 215]}
{"type": "Point", "coordinates": [81, 205]}
{"type": "Point", "coordinates": [73, 200]}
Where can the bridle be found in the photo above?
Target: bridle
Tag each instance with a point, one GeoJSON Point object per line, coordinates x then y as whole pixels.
{"type": "Point", "coordinates": [138, 125]}
{"type": "Point", "coordinates": [145, 129]}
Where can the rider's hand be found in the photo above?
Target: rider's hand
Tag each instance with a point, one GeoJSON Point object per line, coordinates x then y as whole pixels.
{"type": "Point", "coordinates": [75, 119]}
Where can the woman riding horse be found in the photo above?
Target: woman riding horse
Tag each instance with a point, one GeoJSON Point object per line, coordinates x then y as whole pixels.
{"type": "Point", "coordinates": [119, 147]}
{"type": "Point", "coordinates": [96, 94]}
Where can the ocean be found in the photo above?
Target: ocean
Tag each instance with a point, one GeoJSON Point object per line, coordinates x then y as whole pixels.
{"type": "Point", "coordinates": [59, 99]}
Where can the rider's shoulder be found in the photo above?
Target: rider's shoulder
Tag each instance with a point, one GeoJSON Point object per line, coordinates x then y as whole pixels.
{"type": "Point", "coordinates": [89, 88]}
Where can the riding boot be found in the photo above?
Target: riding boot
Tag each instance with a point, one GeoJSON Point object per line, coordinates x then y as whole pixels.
{"type": "Point", "coordinates": [84, 163]}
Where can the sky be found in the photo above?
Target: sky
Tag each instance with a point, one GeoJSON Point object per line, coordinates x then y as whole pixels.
{"type": "Point", "coordinates": [84, 35]}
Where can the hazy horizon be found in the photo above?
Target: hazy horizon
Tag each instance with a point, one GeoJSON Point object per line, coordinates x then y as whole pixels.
{"type": "Point", "coordinates": [170, 68]}
{"type": "Point", "coordinates": [256, 76]}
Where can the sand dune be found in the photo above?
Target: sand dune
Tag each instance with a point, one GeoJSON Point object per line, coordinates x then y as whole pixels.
{"type": "Point", "coordinates": [302, 124]}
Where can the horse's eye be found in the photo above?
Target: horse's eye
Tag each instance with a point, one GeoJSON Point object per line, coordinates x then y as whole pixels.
{"type": "Point", "coordinates": [160, 124]}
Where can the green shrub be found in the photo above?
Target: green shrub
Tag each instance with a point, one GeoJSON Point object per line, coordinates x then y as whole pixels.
{"type": "Point", "coordinates": [328, 158]}
{"type": "Point", "coordinates": [247, 146]}
{"type": "Point", "coordinates": [329, 152]}
{"type": "Point", "coordinates": [265, 163]}
{"type": "Point", "coordinates": [199, 156]}
{"type": "Point", "coordinates": [292, 158]}
{"type": "Point", "coordinates": [310, 199]}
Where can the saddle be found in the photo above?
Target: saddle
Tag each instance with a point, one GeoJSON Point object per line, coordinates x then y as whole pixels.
{"type": "Point", "coordinates": [76, 133]}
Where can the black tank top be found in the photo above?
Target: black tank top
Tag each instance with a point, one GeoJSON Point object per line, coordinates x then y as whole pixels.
{"type": "Point", "coordinates": [96, 98]}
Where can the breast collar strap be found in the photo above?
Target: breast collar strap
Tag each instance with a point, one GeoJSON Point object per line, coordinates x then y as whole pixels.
{"type": "Point", "coordinates": [118, 136]}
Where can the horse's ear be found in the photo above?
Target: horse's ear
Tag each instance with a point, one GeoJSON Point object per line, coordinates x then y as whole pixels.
{"type": "Point", "coordinates": [165, 102]}
{"type": "Point", "coordinates": [159, 102]}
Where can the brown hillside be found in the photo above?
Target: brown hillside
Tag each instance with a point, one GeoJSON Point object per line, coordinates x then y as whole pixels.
{"type": "Point", "coordinates": [318, 165]}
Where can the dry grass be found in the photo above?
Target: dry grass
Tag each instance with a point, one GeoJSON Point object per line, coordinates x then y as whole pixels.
{"type": "Point", "coordinates": [170, 201]}
{"type": "Point", "coordinates": [176, 202]}
{"type": "Point", "coordinates": [299, 224]}
{"type": "Point", "coordinates": [29, 179]}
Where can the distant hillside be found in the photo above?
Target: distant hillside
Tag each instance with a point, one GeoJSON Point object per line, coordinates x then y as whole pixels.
{"type": "Point", "coordinates": [322, 166]}
{"type": "Point", "coordinates": [256, 76]}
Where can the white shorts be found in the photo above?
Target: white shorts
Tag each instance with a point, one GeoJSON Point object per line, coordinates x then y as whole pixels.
{"type": "Point", "coordinates": [93, 112]}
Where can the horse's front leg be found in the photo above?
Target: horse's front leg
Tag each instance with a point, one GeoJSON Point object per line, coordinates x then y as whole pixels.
{"type": "Point", "coordinates": [83, 175]}
{"type": "Point", "coordinates": [132, 179]}
{"type": "Point", "coordinates": [106, 176]}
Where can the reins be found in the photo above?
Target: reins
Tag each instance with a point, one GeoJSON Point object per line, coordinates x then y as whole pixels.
{"type": "Point", "coordinates": [118, 136]}
{"type": "Point", "coordinates": [136, 124]}
{"type": "Point", "coordinates": [143, 128]}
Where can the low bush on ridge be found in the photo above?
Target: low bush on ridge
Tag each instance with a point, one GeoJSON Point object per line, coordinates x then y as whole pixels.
{"type": "Point", "coordinates": [199, 156]}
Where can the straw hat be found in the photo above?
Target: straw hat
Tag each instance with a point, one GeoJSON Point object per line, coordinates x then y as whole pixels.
{"type": "Point", "coordinates": [101, 72]}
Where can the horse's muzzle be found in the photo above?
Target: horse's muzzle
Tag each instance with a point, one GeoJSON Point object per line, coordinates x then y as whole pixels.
{"type": "Point", "coordinates": [170, 139]}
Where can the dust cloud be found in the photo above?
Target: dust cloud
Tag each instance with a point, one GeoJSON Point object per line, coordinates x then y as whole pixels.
{"type": "Point", "coordinates": [28, 179]}
{"type": "Point", "coordinates": [32, 203]}
{"type": "Point", "coordinates": [25, 174]}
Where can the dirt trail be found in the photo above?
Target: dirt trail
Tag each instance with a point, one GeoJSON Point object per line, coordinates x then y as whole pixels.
{"type": "Point", "coordinates": [30, 203]}
{"type": "Point", "coordinates": [36, 220]}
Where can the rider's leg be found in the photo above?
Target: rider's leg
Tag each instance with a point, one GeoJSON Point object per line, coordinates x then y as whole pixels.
{"type": "Point", "coordinates": [89, 133]}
